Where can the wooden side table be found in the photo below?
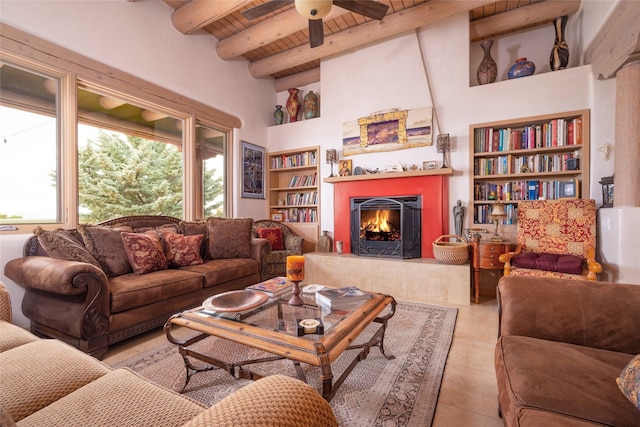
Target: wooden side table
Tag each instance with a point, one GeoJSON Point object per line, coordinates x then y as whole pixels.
{"type": "Point", "coordinates": [485, 257]}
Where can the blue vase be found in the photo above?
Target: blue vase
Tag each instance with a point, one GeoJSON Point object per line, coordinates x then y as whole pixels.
{"type": "Point", "coordinates": [521, 68]}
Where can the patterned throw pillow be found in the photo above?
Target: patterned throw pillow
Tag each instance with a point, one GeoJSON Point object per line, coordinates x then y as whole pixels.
{"type": "Point", "coordinates": [144, 251]}
{"type": "Point", "coordinates": [105, 244]}
{"type": "Point", "coordinates": [61, 244]}
{"type": "Point", "coordinates": [629, 381]}
{"type": "Point", "coordinates": [229, 238]}
{"type": "Point", "coordinates": [273, 235]}
{"type": "Point", "coordinates": [182, 250]}
{"type": "Point", "coordinates": [189, 228]}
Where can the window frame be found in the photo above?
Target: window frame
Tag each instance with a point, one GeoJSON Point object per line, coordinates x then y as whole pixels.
{"type": "Point", "coordinates": [77, 71]}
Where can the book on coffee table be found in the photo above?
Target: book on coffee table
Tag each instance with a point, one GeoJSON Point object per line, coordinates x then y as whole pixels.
{"type": "Point", "coordinates": [273, 287]}
{"type": "Point", "coordinates": [341, 297]}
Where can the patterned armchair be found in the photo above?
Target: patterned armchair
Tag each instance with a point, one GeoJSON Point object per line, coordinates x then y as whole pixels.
{"type": "Point", "coordinates": [555, 238]}
{"type": "Point", "coordinates": [283, 242]}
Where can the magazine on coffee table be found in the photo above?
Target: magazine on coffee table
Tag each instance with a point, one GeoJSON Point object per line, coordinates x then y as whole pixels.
{"type": "Point", "coordinates": [273, 287]}
{"type": "Point", "coordinates": [341, 297]}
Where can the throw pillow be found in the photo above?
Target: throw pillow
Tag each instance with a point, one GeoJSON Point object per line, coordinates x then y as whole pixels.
{"type": "Point", "coordinates": [229, 238]}
{"type": "Point", "coordinates": [274, 236]}
{"type": "Point", "coordinates": [144, 251]}
{"type": "Point", "coordinates": [61, 244]}
{"type": "Point", "coordinates": [105, 244]}
{"type": "Point", "coordinates": [569, 264]}
{"type": "Point", "coordinates": [189, 228]}
{"type": "Point", "coordinates": [182, 250]}
{"type": "Point", "coordinates": [629, 381]}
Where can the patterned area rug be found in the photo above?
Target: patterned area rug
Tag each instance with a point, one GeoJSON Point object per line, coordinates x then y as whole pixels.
{"type": "Point", "coordinates": [378, 392]}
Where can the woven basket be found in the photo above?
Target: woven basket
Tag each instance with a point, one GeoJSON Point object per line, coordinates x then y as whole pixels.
{"type": "Point", "coordinates": [451, 252]}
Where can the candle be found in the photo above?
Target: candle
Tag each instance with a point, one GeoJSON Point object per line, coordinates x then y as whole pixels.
{"type": "Point", "coordinates": [295, 268]}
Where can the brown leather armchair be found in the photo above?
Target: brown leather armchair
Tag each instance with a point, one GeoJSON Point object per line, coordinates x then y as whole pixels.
{"type": "Point", "coordinates": [274, 262]}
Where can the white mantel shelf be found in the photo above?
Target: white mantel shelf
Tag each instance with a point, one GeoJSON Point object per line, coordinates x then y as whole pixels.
{"type": "Point", "coordinates": [385, 175]}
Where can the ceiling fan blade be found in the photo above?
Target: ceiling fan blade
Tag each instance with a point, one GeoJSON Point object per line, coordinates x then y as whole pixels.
{"type": "Point", "coordinates": [316, 32]}
{"type": "Point", "coordinates": [265, 8]}
{"type": "Point", "coordinates": [369, 8]}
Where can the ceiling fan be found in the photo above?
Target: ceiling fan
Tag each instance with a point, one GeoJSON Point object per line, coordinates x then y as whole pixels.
{"type": "Point", "coordinates": [315, 10]}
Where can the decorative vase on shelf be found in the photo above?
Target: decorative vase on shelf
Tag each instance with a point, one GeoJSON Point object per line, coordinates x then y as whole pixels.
{"type": "Point", "coordinates": [278, 115]}
{"type": "Point", "coordinates": [310, 105]}
{"type": "Point", "coordinates": [521, 68]}
{"type": "Point", "coordinates": [487, 70]}
{"type": "Point", "coordinates": [293, 104]}
{"type": "Point", "coordinates": [325, 244]}
{"type": "Point", "coordinates": [559, 58]}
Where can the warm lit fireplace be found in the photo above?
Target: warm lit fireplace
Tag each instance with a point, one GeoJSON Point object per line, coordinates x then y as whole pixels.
{"type": "Point", "coordinates": [386, 226]}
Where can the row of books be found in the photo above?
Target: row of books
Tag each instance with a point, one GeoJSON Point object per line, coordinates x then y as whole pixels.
{"type": "Point", "coordinates": [512, 164]}
{"type": "Point", "coordinates": [481, 214]}
{"type": "Point", "coordinates": [273, 287]}
{"type": "Point", "coordinates": [301, 199]}
{"type": "Point", "coordinates": [304, 180]}
{"type": "Point", "coordinates": [307, 158]}
{"type": "Point", "coordinates": [298, 214]}
{"type": "Point", "coordinates": [525, 190]}
{"type": "Point", "coordinates": [555, 133]}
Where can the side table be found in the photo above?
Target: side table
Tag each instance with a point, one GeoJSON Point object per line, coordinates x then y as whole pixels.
{"type": "Point", "coordinates": [485, 257]}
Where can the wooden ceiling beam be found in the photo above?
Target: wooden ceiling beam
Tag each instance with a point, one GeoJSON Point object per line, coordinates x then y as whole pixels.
{"type": "Point", "coordinates": [281, 25]}
{"type": "Point", "coordinates": [532, 14]}
{"type": "Point", "coordinates": [199, 13]}
{"type": "Point", "coordinates": [392, 25]}
{"type": "Point", "coordinates": [296, 80]}
{"type": "Point", "coordinates": [618, 42]}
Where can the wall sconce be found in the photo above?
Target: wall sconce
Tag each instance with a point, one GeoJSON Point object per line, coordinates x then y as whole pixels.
{"type": "Point", "coordinates": [332, 156]}
{"type": "Point", "coordinates": [607, 191]}
{"type": "Point", "coordinates": [442, 146]}
{"type": "Point", "coordinates": [497, 213]}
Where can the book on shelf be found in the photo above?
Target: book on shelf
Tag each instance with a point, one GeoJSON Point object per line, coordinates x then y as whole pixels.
{"type": "Point", "coordinates": [341, 297]}
{"type": "Point", "coordinates": [273, 287]}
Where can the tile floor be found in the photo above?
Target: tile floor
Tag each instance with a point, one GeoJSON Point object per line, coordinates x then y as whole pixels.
{"type": "Point", "coordinates": [468, 396]}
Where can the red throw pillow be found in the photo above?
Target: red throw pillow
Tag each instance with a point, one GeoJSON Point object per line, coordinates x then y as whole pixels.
{"type": "Point", "coordinates": [273, 235]}
{"type": "Point", "coordinates": [144, 251]}
{"type": "Point", "coordinates": [181, 250]}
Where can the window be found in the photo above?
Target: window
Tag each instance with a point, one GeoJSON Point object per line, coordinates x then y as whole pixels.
{"type": "Point", "coordinates": [87, 143]}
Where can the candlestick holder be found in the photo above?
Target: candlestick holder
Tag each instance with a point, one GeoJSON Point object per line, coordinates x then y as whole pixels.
{"type": "Point", "coordinates": [295, 274]}
{"type": "Point", "coordinates": [295, 294]}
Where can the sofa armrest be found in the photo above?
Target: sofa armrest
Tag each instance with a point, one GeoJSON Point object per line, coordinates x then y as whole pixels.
{"type": "Point", "coordinates": [592, 314]}
{"type": "Point", "coordinates": [259, 249]}
{"type": "Point", "coordinates": [293, 244]}
{"type": "Point", "coordinates": [5, 303]}
{"type": "Point", "coordinates": [276, 400]}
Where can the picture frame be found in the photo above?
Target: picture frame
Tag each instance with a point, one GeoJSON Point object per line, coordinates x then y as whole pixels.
{"type": "Point", "coordinates": [429, 165]}
{"type": "Point", "coordinates": [568, 189]}
{"type": "Point", "coordinates": [345, 167]}
{"type": "Point", "coordinates": [276, 217]}
{"type": "Point", "coordinates": [253, 172]}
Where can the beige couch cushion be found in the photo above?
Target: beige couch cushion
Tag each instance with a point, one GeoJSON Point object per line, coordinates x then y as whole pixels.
{"type": "Point", "coordinates": [12, 336]}
{"type": "Point", "coordinates": [120, 398]}
{"type": "Point", "coordinates": [43, 371]}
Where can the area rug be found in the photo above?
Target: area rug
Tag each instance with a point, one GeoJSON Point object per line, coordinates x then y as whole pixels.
{"type": "Point", "coordinates": [378, 392]}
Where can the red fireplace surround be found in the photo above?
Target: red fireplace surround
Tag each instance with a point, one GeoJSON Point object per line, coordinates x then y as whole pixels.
{"type": "Point", "coordinates": [434, 190]}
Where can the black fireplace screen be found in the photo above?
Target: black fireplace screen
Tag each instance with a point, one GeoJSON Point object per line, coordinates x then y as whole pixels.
{"type": "Point", "coordinates": [386, 226]}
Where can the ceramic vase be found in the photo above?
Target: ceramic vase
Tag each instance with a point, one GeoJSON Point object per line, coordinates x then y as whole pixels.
{"type": "Point", "coordinates": [559, 58]}
{"type": "Point", "coordinates": [278, 115]}
{"type": "Point", "coordinates": [325, 244]}
{"type": "Point", "coordinates": [487, 70]}
{"type": "Point", "coordinates": [521, 68]}
{"type": "Point", "coordinates": [310, 105]}
{"type": "Point", "coordinates": [293, 104]}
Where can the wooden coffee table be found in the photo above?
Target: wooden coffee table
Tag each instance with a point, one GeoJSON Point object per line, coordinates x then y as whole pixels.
{"type": "Point", "coordinates": [273, 328]}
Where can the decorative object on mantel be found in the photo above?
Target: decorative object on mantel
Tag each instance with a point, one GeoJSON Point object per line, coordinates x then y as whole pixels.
{"type": "Point", "coordinates": [388, 131]}
{"type": "Point", "coordinates": [497, 213]}
{"type": "Point", "coordinates": [458, 216]}
{"type": "Point", "coordinates": [443, 145]}
{"type": "Point", "coordinates": [325, 243]}
{"type": "Point", "coordinates": [607, 191]}
{"type": "Point", "coordinates": [522, 68]}
{"type": "Point", "coordinates": [346, 166]}
{"type": "Point", "coordinates": [394, 167]}
{"type": "Point", "coordinates": [487, 70]}
{"type": "Point", "coordinates": [310, 105]}
{"type": "Point", "coordinates": [358, 170]}
{"type": "Point", "coordinates": [429, 165]}
{"type": "Point", "coordinates": [559, 58]}
{"type": "Point", "coordinates": [451, 252]}
{"type": "Point", "coordinates": [332, 156]}
{"type": "Point", "coordinates": [278, 115]}
{"type": "Point", "coordinates": [293, 104]}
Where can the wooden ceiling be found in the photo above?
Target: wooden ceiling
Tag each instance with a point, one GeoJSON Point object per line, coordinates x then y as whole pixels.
{"type": "Point", "coordinates": [277, 45]}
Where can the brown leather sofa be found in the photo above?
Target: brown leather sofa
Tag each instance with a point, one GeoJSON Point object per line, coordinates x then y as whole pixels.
{"type": "Point", "coordinates": [94, 304]}
{"type": "Point", "coordinates": [562, 344]}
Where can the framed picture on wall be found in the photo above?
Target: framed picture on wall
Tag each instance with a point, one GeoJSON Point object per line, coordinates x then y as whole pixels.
{"type": "Point", "coordinates": [253, 173]}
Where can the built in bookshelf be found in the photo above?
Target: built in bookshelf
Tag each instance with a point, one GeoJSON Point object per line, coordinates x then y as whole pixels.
{"type": "Point", "coordinates": [293, 188]}
{"type": "Point", "coordinates": [530, 158]}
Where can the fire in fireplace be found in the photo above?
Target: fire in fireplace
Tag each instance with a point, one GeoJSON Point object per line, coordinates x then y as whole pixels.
{"type": "Point", "coordinates": [386, 226]}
